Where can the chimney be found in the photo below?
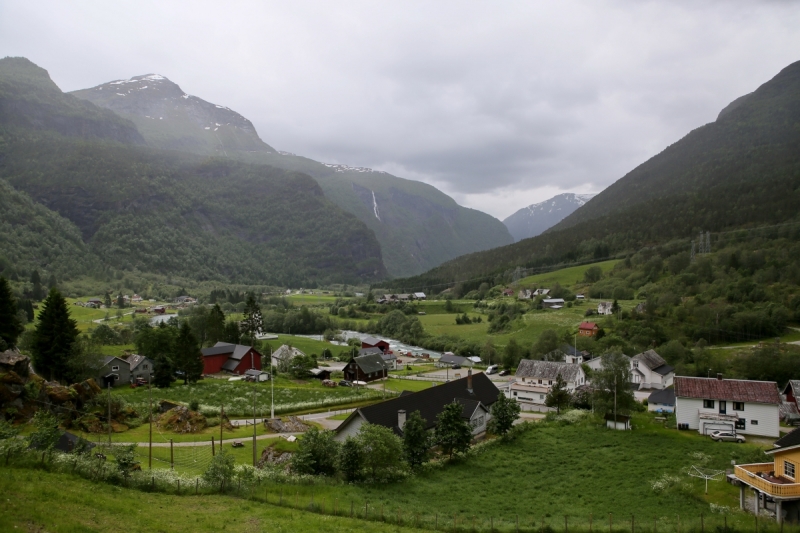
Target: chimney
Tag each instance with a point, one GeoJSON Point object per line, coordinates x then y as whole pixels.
{"type": "Point", "coordinates": [401, 418]}
{"type": "Point", "coordinates": [469, 379]}
{"type": "Point", "coordinates": [719, 376]}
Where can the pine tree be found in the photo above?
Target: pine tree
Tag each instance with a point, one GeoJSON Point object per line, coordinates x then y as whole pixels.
{"type": "Point", "coordinates": [253, 322]}
{"type": "Point", "coordinates": [416, 440]}
{"type": "Point", "coordinates": [187, 355]}
{"type": "Point", "coordinates": [10, 326]}
{"type": "Point", "coordinates": [36, 280]}
{"type": "Point", "coordinates": [54, 337]}
{"type": "Point", "coordinates": [162, 371]}
{"type": "Point", "coordinates": [232, 333]}
{"type": "Point", "coordinates": [452, 433]}
{"type": "Point", "coordinates": [215, 327]}
{"type": "Point", "coordinates": [120, 301]}
{"type": "Point", "coordinates": [558, 397]}
{"type": "Point", "coordinates": [107, 300]}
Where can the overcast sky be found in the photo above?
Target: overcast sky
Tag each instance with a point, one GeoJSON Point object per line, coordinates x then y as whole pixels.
{"type": "Point", "coordinates": [498, 104]}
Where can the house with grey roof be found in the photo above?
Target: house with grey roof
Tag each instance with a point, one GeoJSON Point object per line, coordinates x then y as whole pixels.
{"type": "Point", "coordinates": [476, 395]}
{"type": "Point", "coordinates": [367, 367]}
{"type": "Point", "coordinates": [449, 359]}
{"type": "Point", "coordinates": [282, 357]}
{"type": "Point", "coordinates": [141, 367]}
{"type": "Point", "coordinates": [114, 371]}
{"type": "Point", "coordinates": [534, 379]}
{"type": "Point", "coordinates": [662, 401]}
{"type": "Point", "coordinates": [790, 404]}
{"type": "Point", "coordinates": [389, 358]}
{"type": "Point", "coordinates": [651, 371]}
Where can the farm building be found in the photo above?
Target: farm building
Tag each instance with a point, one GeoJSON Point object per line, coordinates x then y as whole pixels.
{"type": "Point", "coordinates": [553, 303]}
{"type": "Point", "coordinates": [365, 368]}
{"type": "Point", "coordinates": [475, 393]}
{"type": "Point", "coordinates": [449, 359]}
{"type": "Point", "coordinates": [233, 358]}
{"type": "Point", "coordinates": [738, 405]}
{"type": "Point", "coordinates": [374, 342]}
{"type": "Point", "coordinates": [588, 329]}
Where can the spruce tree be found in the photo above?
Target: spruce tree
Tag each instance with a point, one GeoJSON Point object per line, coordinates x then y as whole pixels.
{"type": "Point", "coordinates": [107, 301]}
{"type": "Point", "coordinates": [187, 356]}
{"type": "Point", "coordinates": [162, 371]}
{"type": "Point", "coordinates": [416, 441]}
{"type": "Point", "coordinates": [253, 321]}
{"type": "Point", "coordinates": [10, 326]}
{"type": "Point", "coordinates": [54, 337]}
{"type": "Point", "coordinates": [36, 280]}
{"type": "Point", "coordinates": [215, 327]}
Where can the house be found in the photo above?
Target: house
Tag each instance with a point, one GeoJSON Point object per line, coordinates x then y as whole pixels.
{"type": "Point", "coordinates": [140, 367]}
{"type": "Point", "coordinates": [650, 371]}
{"type": "Point", "coordinates": [552, 303]}
{"type": "Point", "coordinates": [185, 300]}
{"type": "Point", "coordinates": [136, 298]}
{"type": "Point", "coordinates": [420, 296]}
{"type": "Point", "coordinates": [508, 292]}
{"type": "Point", "coordinates": [775, 485]}
{"type": "Point", "coordinates": [367, 367]}
{"type": "Point", "coordinates": [604, 308]}
{"type": "Point", "coordinates": [158, 309]}
{"type": "Point", "coordinates": [374, 342]}
{"type": "Point", "coordinates": [588, 329]}
{"type": "Point", "coordinates": [320, 373]}
{"type": "Point", "coordinates": [94, 302]}
{"type": "Point", "coordinates": [580, 297]}
{"type": "Point", "coordinates": [524, 294]}
{"type": "Point", "coordinates": [475, 393]}
{"type": "Point", "coordinates": [233, 358]}
{"type": "Point", "coordinates": [283, 356]}
{"type": "Point", "coordinates": [114, 372]}
{"type": "Point", "coordinates": [404, 297]}
{"type": "Point", "coordinates": [534, 379]}
{"type": "Point", "coordinates": [662, 401]}
{"type": "Point", "coordinates": [390, 360]}
{"type": "Point", "coordinates": [641, 307]}
{"type": "Point", "coordinates": [572, 355]}
{"type": "Point", "coordinates": [449, 359]}
{"type": "Point", "coordinates": [619, 422]}
{"type": "Point", "coordinates": [256, 375]}
{"type": "Point", "coordinates": [790, 405]}
{"type": "Point", "coordinates": [541, 292]}
{"type": "Point", "coordinates": [742, 406]}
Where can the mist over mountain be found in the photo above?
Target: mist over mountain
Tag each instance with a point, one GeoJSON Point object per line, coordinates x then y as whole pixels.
{"type": "Point", "coordinates": [418, 226]}
{"type": "Point", "coordinates": [537, 218]}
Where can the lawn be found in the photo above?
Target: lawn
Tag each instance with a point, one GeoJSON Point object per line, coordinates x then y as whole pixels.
{"type": "Point", "coordinates": [576, 470]}
{"type": "Point", "coordinates": [38, 501]}
{"type": "Point", "coordinates": [307, 345]}
{"type": "Point", "coordinates": [311, 299]}
{"type": "Point", "coordinates": [412, 385]}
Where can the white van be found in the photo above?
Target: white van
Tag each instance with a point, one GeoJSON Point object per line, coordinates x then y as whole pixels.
{"type": "Point", "coordinates": [492, 369]}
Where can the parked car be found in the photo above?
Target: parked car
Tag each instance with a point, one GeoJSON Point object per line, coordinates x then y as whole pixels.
{"type": "Point", "coordinates": [345, 383]}
{"type": "Point", "coordinates": [456, 367]}
{"type": "Point", "coordinates": [728, 436]}
{"type": "Point", "coordinates": [492, 369]}
{"type": "Point", "coordinates": [504, 373]}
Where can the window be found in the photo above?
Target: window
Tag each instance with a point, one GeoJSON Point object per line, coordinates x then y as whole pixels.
{"type": "Point", "coordinates": [541, 396]}
{"type": "Point", "coordinates": [550, 382]}
{"type": "Point", "coordinates": [738, 406]}
{"type": "Point", "coordinates": [515, 393]}
{"type": "Point", "coordinates": [740, 423]}
{"type": "Point", "coordinates": [754, 422]}
{"type": "Point", "coordinates": [115, 368]}
{"type": "Point", "coordinates": [708, 404]}
{"type": "Point", "coordinates": [540, 382]}
{"type": "Point", "coordinates": [788, 469]}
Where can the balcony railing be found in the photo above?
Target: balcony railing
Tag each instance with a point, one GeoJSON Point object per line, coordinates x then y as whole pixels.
{"type": "Point", "coordinates": [749, 474]}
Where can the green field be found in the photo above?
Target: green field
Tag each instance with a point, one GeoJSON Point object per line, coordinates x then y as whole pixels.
{"type": "Point", "coordinates": [39, 501]}
{"type": "Point", "coordinates": [566, 277]}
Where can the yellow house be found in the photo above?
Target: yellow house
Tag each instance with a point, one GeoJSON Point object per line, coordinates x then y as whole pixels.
{"type": "Point", "coordinates": [776, 485]}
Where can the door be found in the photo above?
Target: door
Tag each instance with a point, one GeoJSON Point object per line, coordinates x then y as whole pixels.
{"type": "Point", "coordinates": [722, 407]}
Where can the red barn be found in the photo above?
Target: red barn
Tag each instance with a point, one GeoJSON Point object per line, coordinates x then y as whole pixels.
{"type": "Point", "coordinates": [372, 342]}
{"type": "Point", "coordinates": [587, 329]}
{"type": "Point", "coordinates": [233, 358]}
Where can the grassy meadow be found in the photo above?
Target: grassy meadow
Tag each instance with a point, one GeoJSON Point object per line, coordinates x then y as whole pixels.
{"type": "Point", "coordinates": [566, 277]}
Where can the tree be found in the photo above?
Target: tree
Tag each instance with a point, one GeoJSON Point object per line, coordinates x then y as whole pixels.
{"type": "Point", "coordinates": [10, 326]}
{"type": "Point", "coordinates": [317, 453]}
{"type": "Point", "coordinates": [36, 280]}
{"type": "Point", "coordinates": [558, 397]}
{"type": "Point", "coordinates": [300, 365]}
{"type": "Point", "coordinates": [220, 471]}
{"type": "Point", "coordinates": [52, 282]}
{"type": "Point", "coordinates": [615, 307]}
{"type": "Point", "coordinates": [448, 306]}
{"type": "Point", "coordinates": [382, 450]}
{"type": "Point", "coordinates": [253, 321]}
{"type": "Point", "coordinates": [186, 354]}
{"type": "Point", "coordinates": [613, 377]}
{"type": "Point", "coordinates": [162, 371]}
{"type": "Point", "coordinates": [126, 458]}
{"type": "Point", "coordinates": [592, 274]}
{"type": "Point", "coordinates": [231, 333]}
{"type": "Point", "coordinates": [512, 354]}
{"type": "Point", "coordinates": [120, 301]}
{"type": "Point", "coordinates": [350, 459]}
{"type": "Point", "coordinates": [416, 440]}
{"type": "Point", "coordinates": [489, 352]}
{"type": "Point", "coordinates": [504, 412]}
{"type": "Point", "coordinates": [46, 433]}
{"type": "Point", "coordinates": [547, 342]}
{"type": "Point", "coordinates": [453, 434]}
{"type": "Point", "coordinates": [215, 326]}
{"type": "Point", "coordinates": [54, 337]}
{"type": "Point", "coordinates": [107, 300]}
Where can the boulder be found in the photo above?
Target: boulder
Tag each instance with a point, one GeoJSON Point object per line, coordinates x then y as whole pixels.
{"type": "Point", "coordinates": [181, 420]}
{"type": "Point", "coordinates": [12, 360]}
{"type": "Point", "coordinates": [57, 393]}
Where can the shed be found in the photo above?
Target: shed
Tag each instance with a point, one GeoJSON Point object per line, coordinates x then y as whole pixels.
{"type": "Point", "coordinates": [256, 375]}
{"type": "Point", "coordinates": [320, 373]}
{"type": "Point", "coordinates": [620, 422]}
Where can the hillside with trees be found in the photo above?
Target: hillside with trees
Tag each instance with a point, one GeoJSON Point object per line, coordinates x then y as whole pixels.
{"type": "Point", "coordinates": [84, 195]}
{"type": "Point", "coordinates": [741, 171]}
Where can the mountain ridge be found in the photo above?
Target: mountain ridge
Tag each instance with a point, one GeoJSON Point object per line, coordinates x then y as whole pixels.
{"type": "Point", "coordinates": [537, 218]}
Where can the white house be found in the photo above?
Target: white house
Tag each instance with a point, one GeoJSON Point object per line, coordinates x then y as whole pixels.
{"type": "Point", "coordinates": [283, 355]}
{"type": "Point", "coordinates": [604, 308]}
{"type": "Point", "coordinates": [651, 371]}
{"type": "Point", "coordinates": [534, 379]}
{"type": "Point", "coordinates": [716, 404]}
{"type": "Point", "coordinates": [553, 303]}
{"type": "Point", "coordinates": [419, 295]}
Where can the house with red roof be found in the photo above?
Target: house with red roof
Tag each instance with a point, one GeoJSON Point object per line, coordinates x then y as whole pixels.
{"type": "Point", "coordinates": [587, 329]}
{"type": "Point", "coordinates": [737, 405]}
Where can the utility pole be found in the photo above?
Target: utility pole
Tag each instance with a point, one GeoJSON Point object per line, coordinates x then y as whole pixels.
{"type": "Point", "coordinates": [615, 401]}
{"type": "Point", "coordinates": [221, 423]}
{"type": "Point", "coordinates": [150, 450]}
{"type": "Point", "coordinates": [254, 424]}
{"type": "Point", "coordinates": [109, 414]}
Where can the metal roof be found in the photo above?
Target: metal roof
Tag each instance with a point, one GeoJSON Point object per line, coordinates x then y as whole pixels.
{"type": "Point", "coordinates": [662, 397]}
{"type": "Point", "coordinates": [548, 370]}
{"type": "Point", "coordinates": [650, 359]}
{"type": "Point", "coordinates": [370, 363]}
{"type": "Point", "coordinates": [739, 390]}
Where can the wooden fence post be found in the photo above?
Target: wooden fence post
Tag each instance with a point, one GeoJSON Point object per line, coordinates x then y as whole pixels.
{"type": "Point", "coordinates": [196, 483]}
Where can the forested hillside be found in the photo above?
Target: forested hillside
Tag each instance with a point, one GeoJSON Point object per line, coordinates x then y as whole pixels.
{"type": "Point", "coordinates": [417, 225]}
{"type": "Point", "coordinates": [741, 171]}
{"type": "Point", "coordinates": [103, 203]}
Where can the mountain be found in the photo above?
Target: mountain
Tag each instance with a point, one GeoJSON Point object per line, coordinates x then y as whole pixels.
{"type": "Point", "coordinates": [537, 218]}
{"type": "Point", "coordinates": [86, 196]}
{"type": "Point", "coordinates": [740, 171]}
{"type": "Point", "coordinates": [418, 226]}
